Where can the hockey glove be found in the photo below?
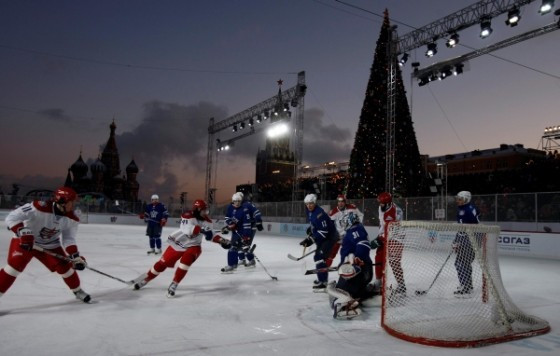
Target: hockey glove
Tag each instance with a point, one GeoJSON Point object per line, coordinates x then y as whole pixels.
{"type": "Point", "coordinates": [376, 243]}
{"type": "Point", "coordinates": [226, 244]}
{"type": "Point", "coordinates": [78, 262]}
{"type": "Point", "coordinates": [162, 222]}
{"type": "Point", "coordinates": [260, 226]}
{"type": "Point", "coordinates": [348, 271]}
{"type": "Point", "coordinates": [309, 231]}
{"type": "Point", "coordinates": [141, 216]}
{"type": "Point", "coordinates": [225, 230]}
{"type": "Point", "coordinates": [25, 239]}
{"type": "Point", "coordinates": [307, 242]}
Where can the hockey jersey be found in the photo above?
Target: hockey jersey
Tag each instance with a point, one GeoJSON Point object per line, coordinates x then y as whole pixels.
{"type": "Point", "coordinates": [190, 232]}
{"type": "Point", "coordinates": [393, 213]}
{"type": "Point", "coordinates": [49, 230]}
{"type": "Point", "coordinates": [340, 216]}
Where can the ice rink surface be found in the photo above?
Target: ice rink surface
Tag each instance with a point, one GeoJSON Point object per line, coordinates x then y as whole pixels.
{"type": "Point", "coordinates": [246, 313]}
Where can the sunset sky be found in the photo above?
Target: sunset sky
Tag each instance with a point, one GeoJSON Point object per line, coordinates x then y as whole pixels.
{"type": "Point", "coordinates": [161, 69]}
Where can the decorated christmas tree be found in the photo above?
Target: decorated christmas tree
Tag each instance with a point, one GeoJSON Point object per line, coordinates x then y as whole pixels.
{"type": "Point", "coordinates": [366, 173]}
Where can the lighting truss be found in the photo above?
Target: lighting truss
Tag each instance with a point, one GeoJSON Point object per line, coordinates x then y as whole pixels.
{"type": "Point", "coordinates": [453, 62]}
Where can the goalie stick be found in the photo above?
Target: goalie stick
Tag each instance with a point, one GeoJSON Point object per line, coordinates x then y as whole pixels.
{"type": "Point", "coordinates": [319, 270]}
{"type": "Point", "coordinates": [424, 292]}
{"type": "Point", "coordinates": [293, 258]}
{"type": "Point", "coordinates": [66, 258]}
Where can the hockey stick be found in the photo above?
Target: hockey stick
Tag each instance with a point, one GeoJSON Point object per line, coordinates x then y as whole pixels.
{"type": "Point", "coordinates": [66, 258]}
{"type": "Point", "coordinates": [423, 292]}
{"type": "Point", "coordinates": [319, 270]}
{"type": "Point", "coordinates": [293, 258]}
{"type": "Point", "coordinates": [274, 278]}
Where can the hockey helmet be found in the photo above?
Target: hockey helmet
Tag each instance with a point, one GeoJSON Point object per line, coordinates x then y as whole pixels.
{"type": "Point", "coordinates": [465, 196]}
{"type": "Point", "coordinates": [384, 198]}
{"type": "Point", "coordinates": [237, 197]}
{"type": "Point", "coordinates": [310, 199]}
{"type": "Point", "coordinates": [341, 198]}
{"type": "Point", "coordinates": [64, 194]}
{"type": "Point", "coordinates": [199, 205]}
{"type": "Point", "coordinates": [352, 218]}
{"type": "Point", "coordinates": [155, 197]}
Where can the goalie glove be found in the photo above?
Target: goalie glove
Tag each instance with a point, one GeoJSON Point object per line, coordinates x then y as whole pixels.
{"type": "Point", "coordinates": [348, 271]}
{"type": "Point", "coordinates": [308, 241]}
{"type": "Point", "coordinates": [78, 262]}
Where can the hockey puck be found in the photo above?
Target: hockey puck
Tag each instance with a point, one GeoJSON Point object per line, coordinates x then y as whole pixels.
{"type": "Point", "coordinates": [420, 292]}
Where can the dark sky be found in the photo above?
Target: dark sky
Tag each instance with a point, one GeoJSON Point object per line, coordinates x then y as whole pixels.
{"type": "Point", "coordinates": [162, 68]}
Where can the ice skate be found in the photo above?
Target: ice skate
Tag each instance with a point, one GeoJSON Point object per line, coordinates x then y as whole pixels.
{"type": "Point", "coordinates": [157, 251]}
{"type": "Point", "coordinates": [229, 269]}
{"type": "Point", "coordinates": [139, 281]}
{"type": "Point", "coordinates": [463, 292]}
{"type": "Point", "coordinates": [250, 264]}
{"type": "Point", "coordinates": [397, 295]}
{"type": "Point", "coordinates": [83, 296]}
{"type": "Point", "coordinates": [171, 290]}
{"type": "Point", "coordinates": [320, 287]}
{"type": "Point", "coordinates": [152, 251]}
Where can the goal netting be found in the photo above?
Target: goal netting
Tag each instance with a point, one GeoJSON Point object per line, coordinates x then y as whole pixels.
{"type": "Point", "coordinates": [449, 300]}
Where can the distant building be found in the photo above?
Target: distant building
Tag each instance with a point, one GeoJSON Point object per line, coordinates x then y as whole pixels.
{"type": "Point", "coordinates": [105, 178]}
{"type": "Point", "coordinates": [503, 158]}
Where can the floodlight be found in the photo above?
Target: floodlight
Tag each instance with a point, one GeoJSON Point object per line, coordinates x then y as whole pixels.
{"type": "Point", "coordinates": [403, 59]}
{"type": "Point", "coordinates": [234, 128]}
{"type": "Point", "coordinates": [513, 17]}
{"type": "Point", "coordinates": [453, 40]}
{"type": "Point", "coordinates": [242, 126]}
{"type": "Point", "coordinates": [432, 49]}
{"type": "Point", "coordinates": [458, 68]}
{"type": "Point", "coordinates": [546, 6]}
{"type": "Point", "coordinates": [485, 28]}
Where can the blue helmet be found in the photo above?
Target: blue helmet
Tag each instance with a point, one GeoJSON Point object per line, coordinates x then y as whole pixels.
{"type": "Point", "coordinates": [352, 218]}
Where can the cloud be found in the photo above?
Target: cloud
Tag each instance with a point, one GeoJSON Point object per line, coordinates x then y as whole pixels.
{"type": "Point", "coordinates": [55, 114]}
{"type": "Point", "coordinates": [169, 145]}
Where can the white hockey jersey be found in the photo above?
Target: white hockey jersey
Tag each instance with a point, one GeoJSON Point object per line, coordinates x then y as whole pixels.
{"type": "Point", "coordinates": [339, 217]}
{"type": "Point", "coordinates": [185, 236]}
{"type": "Point", "coordinates": [49, 230]}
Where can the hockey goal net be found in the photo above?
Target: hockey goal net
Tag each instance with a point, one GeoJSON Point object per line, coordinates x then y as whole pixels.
{"type": "Point", "coordinates": [434, 308]}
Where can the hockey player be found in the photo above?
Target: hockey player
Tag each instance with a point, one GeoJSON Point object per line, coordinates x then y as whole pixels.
{"type": "Point", "coordinates": [355, 271]}
{"type": "Point", "coordinates": [339, 215]}
{"type": "Point", "coordinates": [51, 226]}
{"type": "Point", "coordinates": [239, 221]}
{"type": "Point", "coordinates": [184, 246]}
{"type": "Point", "coordinates": [466, 214]}
{"type": "Point", "coordinates": [388, 212]}
{"type": "Point", "coordinates": [155, 214]}
{"type": "Point", "coordinates": [323, 234]}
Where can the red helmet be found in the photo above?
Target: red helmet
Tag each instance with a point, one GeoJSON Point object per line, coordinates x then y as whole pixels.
{"type": "Point", "coordinates": [384, 198]}
{"type": "Point", "coordinates": [64, 194]}
{"type": "Point", "coordinates": [199, 205]}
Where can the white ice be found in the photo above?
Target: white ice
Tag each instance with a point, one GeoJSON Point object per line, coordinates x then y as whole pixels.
{"type": "Point", "coordinates": [246, 313]}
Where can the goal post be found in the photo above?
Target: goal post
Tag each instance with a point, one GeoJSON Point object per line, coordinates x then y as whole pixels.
{"type": "Point", "coordinates": [453, 295]}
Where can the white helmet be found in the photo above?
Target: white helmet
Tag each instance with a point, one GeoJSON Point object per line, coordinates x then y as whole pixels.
{"type": "Point", "coordinates": [237, 197]}
{"type": "Point", "coordinates": [464, 195]}
{"type": "Point", "coordinates": [310, 198]}
{"type": "Point", "coordinates": [155, 197]}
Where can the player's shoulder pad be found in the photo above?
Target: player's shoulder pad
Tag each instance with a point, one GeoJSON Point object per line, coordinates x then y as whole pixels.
{"type": "Point", "coordinates": [333, 211]}
{"type": "Point", "coordinates": [43, 206]}
{"type": "Point", "coordinates": [187, 215]}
